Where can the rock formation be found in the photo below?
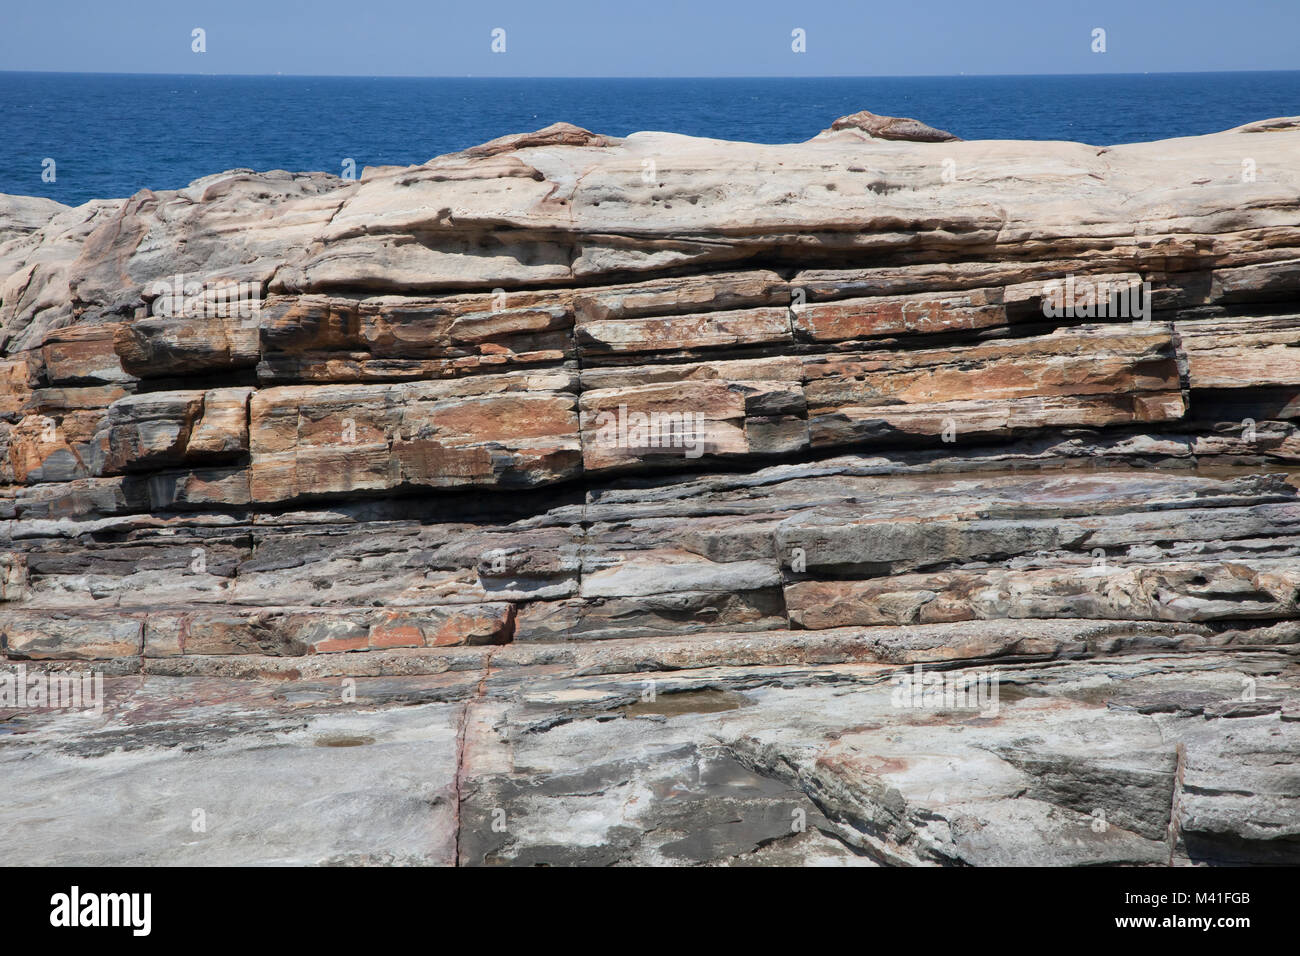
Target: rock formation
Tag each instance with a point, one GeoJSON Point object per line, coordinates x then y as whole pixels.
{"type": "Point", "coordinates": [645, 472]}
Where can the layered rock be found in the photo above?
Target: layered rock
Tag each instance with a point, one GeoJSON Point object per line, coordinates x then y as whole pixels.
{"type": "Point", "coordinates": [504, 430]}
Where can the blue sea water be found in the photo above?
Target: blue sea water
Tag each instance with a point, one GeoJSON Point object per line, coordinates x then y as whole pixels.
{"type": "Point", "coordinates": [111, 135]}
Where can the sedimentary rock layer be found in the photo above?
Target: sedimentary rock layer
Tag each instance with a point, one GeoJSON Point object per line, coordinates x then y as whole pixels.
{"type": "Point", "coordinates": [503, 430]}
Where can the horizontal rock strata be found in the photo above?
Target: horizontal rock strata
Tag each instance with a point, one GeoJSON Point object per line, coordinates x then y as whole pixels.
{"type": "Point", "coordinates": [502, 431]}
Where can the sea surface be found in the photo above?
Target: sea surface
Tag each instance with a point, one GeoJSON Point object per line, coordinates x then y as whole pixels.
{"type": "Point", "coordinates": [112, 135]}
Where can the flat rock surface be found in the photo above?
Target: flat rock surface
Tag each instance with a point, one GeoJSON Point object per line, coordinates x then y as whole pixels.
{"type": "Point", "coordinates": [1074, 763]}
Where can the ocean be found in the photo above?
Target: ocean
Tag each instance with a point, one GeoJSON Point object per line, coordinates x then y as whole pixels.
{"type": "Point", "coordinates": [111, 135]}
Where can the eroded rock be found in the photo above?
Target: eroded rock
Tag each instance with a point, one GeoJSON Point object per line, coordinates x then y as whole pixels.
{"type": "Point", "coordinates": [624, 503]}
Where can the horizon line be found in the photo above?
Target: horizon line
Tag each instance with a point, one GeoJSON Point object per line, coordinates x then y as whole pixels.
{"type": "Point", "coordinates": [720, 76]}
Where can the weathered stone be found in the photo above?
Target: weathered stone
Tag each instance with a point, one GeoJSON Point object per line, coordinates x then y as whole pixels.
{"type": "Point", "coordinates": [222, 428]}
{"type": "Point", "coordinates": [167, 347]}
{"type": "Point", "coordinates": [45, 634]}
{"type": "Point", "coordinates": [497, 430]}
{"type": "Point", "coordinates": [83, 354]}
{"type": "Point", "coordinates": [149, 431]}
{"type": "Point", "coordinates": [629, 505]}
{"type": "Point", "coordinates": [892, 127]}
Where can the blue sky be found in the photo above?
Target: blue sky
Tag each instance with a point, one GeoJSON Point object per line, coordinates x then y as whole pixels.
{"type": "Point", "coordinates": [649, 37]}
